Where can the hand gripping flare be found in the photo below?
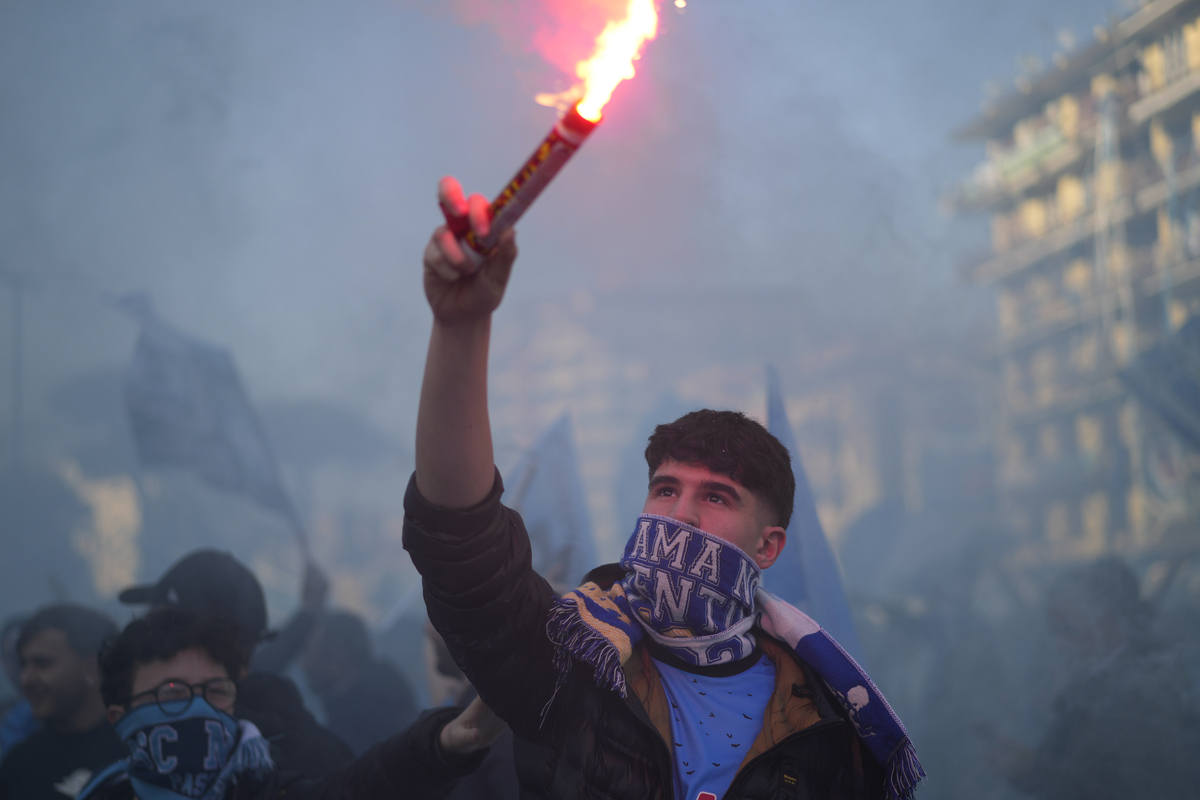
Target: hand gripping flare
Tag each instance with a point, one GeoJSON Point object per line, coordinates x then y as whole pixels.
{"type": "Point", "coordinates": [537, 172]}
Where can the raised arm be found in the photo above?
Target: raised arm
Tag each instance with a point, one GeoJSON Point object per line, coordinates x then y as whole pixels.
{"type": "Point", "coordinates": [480, 589]}
{"type": "Point", "coordinates": [455, 465]}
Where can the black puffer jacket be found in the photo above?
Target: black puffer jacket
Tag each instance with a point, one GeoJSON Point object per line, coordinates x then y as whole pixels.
{"type": "Point", "coordinates": [299, 743]}
{"type": "Point", "coordinates": [491, 607]}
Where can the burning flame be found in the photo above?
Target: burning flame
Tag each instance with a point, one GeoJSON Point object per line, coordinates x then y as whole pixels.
{"type": "Point", "coordinates": [617, 47]}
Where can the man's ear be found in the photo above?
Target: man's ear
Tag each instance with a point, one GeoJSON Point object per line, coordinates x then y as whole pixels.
{"type": "Point", "coordinates": [770, 545]}
{"type": "Point", "coordinates": [114, 714]}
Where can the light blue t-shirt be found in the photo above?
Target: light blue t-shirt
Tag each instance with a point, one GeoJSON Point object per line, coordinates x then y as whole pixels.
{"type": "Point", "coordinates": [714, 721]}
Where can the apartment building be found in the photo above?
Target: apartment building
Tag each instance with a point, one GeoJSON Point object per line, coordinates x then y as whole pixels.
{"type": "Point", "coordinates": [1092, 182]}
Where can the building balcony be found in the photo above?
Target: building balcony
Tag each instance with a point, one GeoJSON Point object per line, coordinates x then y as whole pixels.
{"type": "Point", "coordinates": [1155, 103]}
{"type": "Point", "coordinates": [1015, 172]}
{"type": "Point", "coordinates": [1170, 274]}
{"type": "Point", "coordinates": [1063, 313]}
{"type": "Point", "coordinates": [1074, 475]}
{"type": "Point", "coordinates": [1152, 274]}
{"type": "Point", "coordinates": [1147, 191]}
{"type": "Point", "coordinates": [1065, 399]}
{"type": "Point", "coordinates": [1004, 265]}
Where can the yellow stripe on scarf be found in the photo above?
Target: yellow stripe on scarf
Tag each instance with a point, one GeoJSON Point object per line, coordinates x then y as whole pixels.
{"type": "Point", "coordinates": [618, 637]}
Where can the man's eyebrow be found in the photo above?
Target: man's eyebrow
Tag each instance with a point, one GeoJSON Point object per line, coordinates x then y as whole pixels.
{"type": "Point", "coordinates": [659, 480]}
{"type": "Point", "coordinates": [717, 486]}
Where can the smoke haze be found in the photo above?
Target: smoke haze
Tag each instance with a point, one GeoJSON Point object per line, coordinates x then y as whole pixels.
{"type": "Point", "coordinates": [765, 190]}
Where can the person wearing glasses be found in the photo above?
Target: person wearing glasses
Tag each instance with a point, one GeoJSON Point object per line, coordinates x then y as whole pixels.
{"type": "Point", "coordinates": [168, 691]}
{"type": "Point", "coordinates": [216, 585]}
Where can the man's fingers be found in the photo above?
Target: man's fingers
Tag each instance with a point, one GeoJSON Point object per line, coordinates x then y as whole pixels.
{"type": "Point", "coordinates": [484, 724]}
{"type": "Point", "coordinates": [475, 711]}
{"type": "Point", "coordinates": [439, 255]}
{"type": "Point", "coordinates": [457, 225]}
{"type": "Point", "coordinates": [476, 727]}
{"type": "Point", "coordinates": [490, 727]}
{"type": "Point", "coordinates": [451, 197]}
{"type": "Point", "coordinates": [479, 211]}
{"type": "Point", "coordinates": [452, 250]}
{"type": "Point", "coordinates": [463, 214]}
{"type": "Point", "coordinates": [500, 263]}
{"type": "Point", "coordinates": [435, 262]}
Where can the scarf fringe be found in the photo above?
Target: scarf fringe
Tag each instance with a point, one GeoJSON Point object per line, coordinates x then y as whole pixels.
{"type": "Point", "coordinates": [904, 772]}
{"type": "Point", "coordinates": [573, 638]}
{"type": "Point", "coordinates": [251, 757]}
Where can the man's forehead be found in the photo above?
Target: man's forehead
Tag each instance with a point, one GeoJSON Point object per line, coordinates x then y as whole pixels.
{"type": "Point", "coordinates": [47, 640]}
{"type": "Point", "coordinates": [677, 470]}
{"type": "Point", "coordinates": [192, 664]}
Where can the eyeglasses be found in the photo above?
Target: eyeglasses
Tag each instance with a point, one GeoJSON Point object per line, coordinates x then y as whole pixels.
{"type": "Point", "coordinates": [174, 697]}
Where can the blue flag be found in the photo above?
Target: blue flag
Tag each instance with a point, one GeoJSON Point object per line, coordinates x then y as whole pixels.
{"type": "Point", "coordinates": [807, 574]}
{"type": "Point", "coordinates": [187, 409]}
{"type": "Point", "coordinates": [547, 490]}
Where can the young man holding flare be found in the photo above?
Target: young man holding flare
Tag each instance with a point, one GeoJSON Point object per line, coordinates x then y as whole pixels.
{"type": "Point", "coordinates": [671, 674]}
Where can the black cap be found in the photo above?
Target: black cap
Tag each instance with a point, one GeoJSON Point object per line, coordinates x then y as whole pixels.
{"type": "Point", "coordinates": [213, 584]}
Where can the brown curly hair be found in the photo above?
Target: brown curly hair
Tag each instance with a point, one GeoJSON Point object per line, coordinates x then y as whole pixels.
{"type": "Point", "coordinates": [730, 443]}
{"type": "Point", "coordinates": [160, 636]}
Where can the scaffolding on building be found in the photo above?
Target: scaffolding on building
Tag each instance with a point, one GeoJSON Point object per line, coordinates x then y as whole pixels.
{"type": "Point", "coordinates": [1093, 183]}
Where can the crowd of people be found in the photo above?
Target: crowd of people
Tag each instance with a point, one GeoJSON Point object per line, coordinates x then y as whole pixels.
{"type": "Point", "coordinates": [1121, 724]}
{"type": "Point", "coordinates": [671, 674]}
{"type": "Point", "coordinates": [189, 700]}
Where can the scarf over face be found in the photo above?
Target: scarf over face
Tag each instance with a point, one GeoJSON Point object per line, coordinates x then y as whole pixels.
{"type": "Point", "coordinates": [699, 597]}
{"type": "Point", "coordinates": [197, 754]}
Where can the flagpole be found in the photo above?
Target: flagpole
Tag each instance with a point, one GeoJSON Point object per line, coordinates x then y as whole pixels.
{"type": "Point", "coordinates": [298, 531]}
{"type": "Point", "coordinates": [17, 286]}
{"type": "Point", "coordinates": [18, 324]}
{"type": "Point", "coordinates": [819, 590]}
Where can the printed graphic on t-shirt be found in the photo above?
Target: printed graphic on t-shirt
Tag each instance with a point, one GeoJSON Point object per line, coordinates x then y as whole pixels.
{"type": "Point", "coordinates": [714, 721]}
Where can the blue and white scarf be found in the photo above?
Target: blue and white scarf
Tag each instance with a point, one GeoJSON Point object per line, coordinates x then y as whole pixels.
{"type": "Point", "coordinates": [699, 597]}
{"type": "Point", "coordinates": [198, 754]}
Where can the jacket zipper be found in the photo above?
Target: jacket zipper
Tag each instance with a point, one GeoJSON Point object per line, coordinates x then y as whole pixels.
{"type": "Point", "coordinates": [746, 769]}
{"type": "Point", "coordinates": [665, 762]}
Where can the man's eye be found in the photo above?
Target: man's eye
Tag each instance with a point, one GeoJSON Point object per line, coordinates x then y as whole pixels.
{"type": "Point", "coordinates": [716, 498]}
